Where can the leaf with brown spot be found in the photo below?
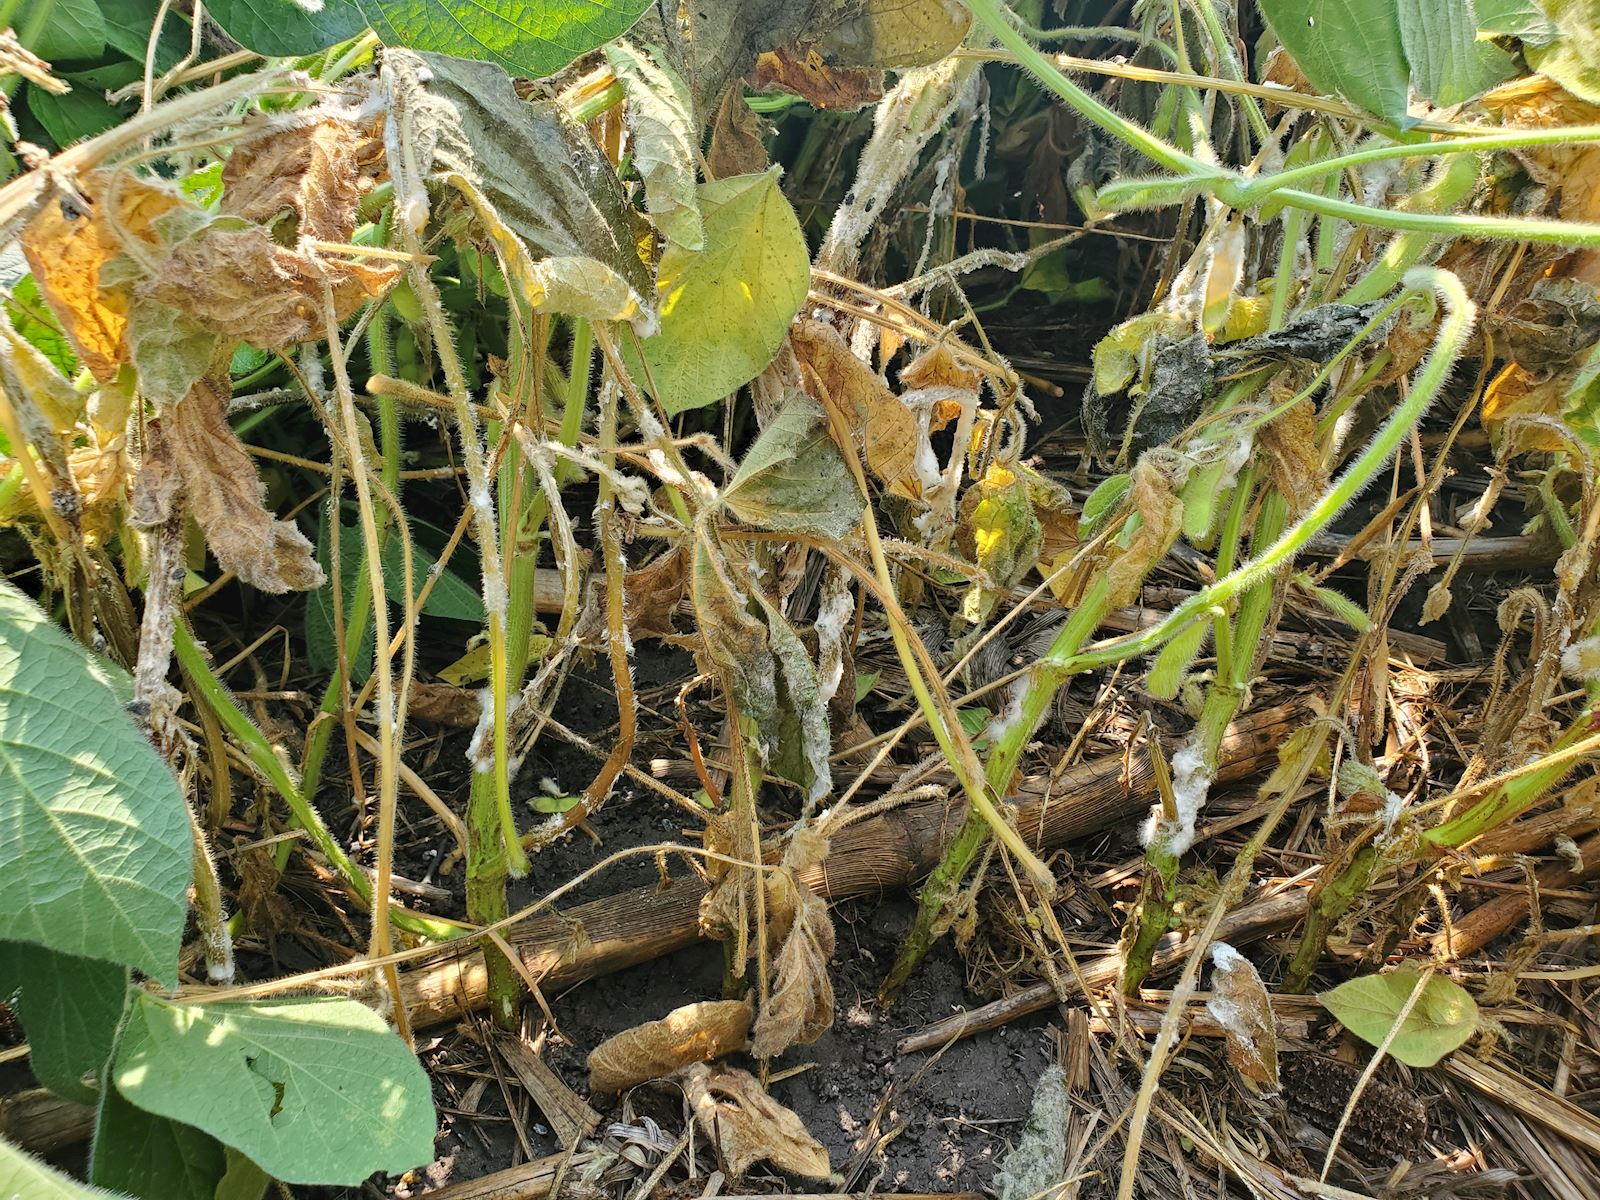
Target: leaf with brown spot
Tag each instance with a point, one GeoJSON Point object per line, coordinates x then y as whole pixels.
{"type": "Point", "coordinates": [67, 246]}
{"type": "Point", "coordinates": [749, 1126]}
{"type": "Point", "coordinates": [695, 1033]}
{"type": "Point", "coordinates": [806, 74]}
{"type": "Point", "coordinates": [317, 172]}
{"type": "Point", "coordinates": [800, 1008]}
{"type": "Point", "coordinates": [219, 482]}
{"type": "Point", "coordinates": [871, 410]}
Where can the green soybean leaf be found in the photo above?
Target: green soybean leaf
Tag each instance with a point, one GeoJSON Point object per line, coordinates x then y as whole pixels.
{"type": "Point", "coordinates": [533, 40]}
{"type": "Point", "coordinates": [95, 845]}
{"type": "Point", "coordinates": [1448, 63]}
{"type": "Point", "coordinates": [1572, 56]}
{"type": "Point", "coordinates": [312, 1090]}
{"type": "Point", "coordinates": [242, 1180]}
{"type": "Point", "coordinates": [32, 318]}
{"type": "Point", "coordinates": [128, 24]}
{"type": "Point", "coordinates": [282, 28]}
{"type": "Point", "coordinates": [151, 1157]}
{"type": "Point", "coordinates": [70, 1008]}
{"type": "Point", "coordinates": [793, 477]}
{"type": "Point", "coordinates": [74, 32]}
{"type": "Point", "coordinates": [1443, 1017]}
{"type": "Point", "coordinates": [1350, 47]}
{"type": "Point", "coordinates": [73, 116]}
{"type": "Point", "coordinates": [25, 1177]}
{"type": "Point", "coordinates": [725, 309]}
{"type": "Point", "coordinates": [1102, 500]}
{"type": "Point", "coordinates": [1522, 19]}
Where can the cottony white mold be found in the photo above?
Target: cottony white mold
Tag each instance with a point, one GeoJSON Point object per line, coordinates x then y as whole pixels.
{"type": "Point", "coordinates": [1191, 784]}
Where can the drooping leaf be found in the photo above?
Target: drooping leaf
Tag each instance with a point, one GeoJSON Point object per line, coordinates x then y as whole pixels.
{"type": "Point", "coordinates": [998, 531]}
{"type": "Point", "coordinates": [1442, 1019]}
{"type": "Point", "coordinates": [793, 477]}
{"type": "Point", "coordinates": [800, 1008]}
{"type": "Point", "coordinates": [870, 410]}
{"type": "Point", "coordinates": [25, 1177]}
{"type": "Point", "coordinates": [1352, 48]}
{"type": "Point", "coordinates": [798, 747]}
{"type": "Point", "coordinates": [95, 846]}
{"type": "Point", "coordinates": [1572, 55]}
{"type": "Point", "coordinates": [664, 141]}
{"type": "Point", "coordinates": [70, 1008]}
{"type": "Point", "coordinates": [317, 1090]}
{"type": "Point", "coordinates": [151, 1157]}
{"type": "Point", "coordinates": [283, 28]}
{"type": "Point", "coordinates": [726, 308]}
{"type": "Point", "coordinates": [1241, 1005]}
{"type": "Point", "coordinates": [171, 350]}
{"type": "Point", "coordinates": [544, 181]}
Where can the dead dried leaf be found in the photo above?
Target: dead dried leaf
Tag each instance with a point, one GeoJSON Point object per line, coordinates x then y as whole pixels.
{"type": "Point", "coordinates": [749, 1126]}
{"type": "Point", "coordinates": [1160, 518]}
{"type": "Point", "coordinates": [241, 284]}
{"type": "Point", "coordinates": [67, 244]}
{"type": "Point", "coordinates": [220, 484]}
{"type": "Point", "coordinates": [1240, 1003]}
{"type": "Point", "coordinates": [736, 139]}
{"type": "Point", "coordinates": [807, 74]}
{"type": "Point", "coordinates": [317, 173]}
{"type": "Point", "coordinates": [870, 409]}
{"type": "Point", "coordinates": [1513, 403]}
{"type": "Point", "coordinates": [800, 1008]}
{"type": "Point", "coordinates": [653, 592]}
{"type": "Point", "coordinates": [695, 1033]}
{"type": "Point", "coordinates": [1296, 462]}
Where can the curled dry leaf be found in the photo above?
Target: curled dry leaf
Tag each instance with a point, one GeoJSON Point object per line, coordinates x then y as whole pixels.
{"type": "Point", "coordinates": [1160, 518]}
{"type": "Point", "coordinates": [749, 1126]}
{"type": "Point", "coordinates": [652, 594]}
{"type": "Point", "coordinates": [316, 173]}
{"type": "Point", "coordinates": [736, 147]}
{"type": "Point", "coordinates": [204, 458]}
{"type": "Point", "coordinates": [1240, 1003]}
{"type": "Point", "coordinates": [695, 1033]}
{"type": "Point", "coordinates": [800, 1008]}
{"type": "Point", "coordinates": [807, 74]}
{"type": "Point", "coordinates": [68, 243]}
{"type": "Point", "coordinates": [861, 397]}
{"type": "Point", "coordinates": [1296, 462]}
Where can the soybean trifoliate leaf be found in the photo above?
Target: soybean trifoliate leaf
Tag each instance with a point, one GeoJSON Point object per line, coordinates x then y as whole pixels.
{"type": "Point", "coordinates": [794, 478]}
{"type": "Point", "coordinates": [531, 40]}
{"type": "Point", "coordinates": [317, 1090]}
{"type": "Point", "coordinates": [23, 1175]}
{"type": "Point", "coordinates": [1349, 47]}
{"type": "Point", "coordinates": [726, 308]}
{"type": "Point", "coordinates": [1572, 56]}
{"type": "Point", "coordinates": [70, 1008]}
{"type": "Point", "coordinates": [75, 31]}
{"type": "Point", "coordinates": [152, 1157]}
{"type": "Point", "coordinates": [1443, 1017]}
{"type": "Point", "coordinates": [659, 117]}
{"type": "Point", "coordinates": [95, 847]}
{"type": "Point", "coordinates": [1240, 1004]}
{"type": "Point", "coordinates": [285, 28]}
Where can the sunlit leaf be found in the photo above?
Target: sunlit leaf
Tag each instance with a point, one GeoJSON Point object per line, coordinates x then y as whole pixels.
{"type": "Point", "coordinates": [1349, 47]}
{"type": "Point", "coordinates": [1442, 1019]}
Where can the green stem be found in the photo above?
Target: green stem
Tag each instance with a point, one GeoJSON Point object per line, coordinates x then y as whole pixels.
{"type": "Point", "coordinates": [1329, 906]}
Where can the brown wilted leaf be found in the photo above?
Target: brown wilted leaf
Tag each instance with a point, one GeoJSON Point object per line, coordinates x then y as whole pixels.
{"type": "Point", "coordinates": [1513, 398]}
{"type": "Point", "coordinates": [936, 368]}
{"type": "Point", "coordinates": [695, 1033]}
{"type": "Point", "coordinates": [1240, 1003]}
{"type": "Point", "coordinates": [316, 172]}
{"type": "Point", "coordinates": [800, 1008]}
{"type": "Point", "coordinates": [241, 284]}
{"type": "Point", "coordinates": [749, 1126]}
{"type": "Point", "coordinates": [736, 144]}
{"type": "Point", "coordinates": [864, 399]}
{"type": "Point", "coordinates": [806, 74]}
{"type": "Point", "coordinates": [1296, 462]}
{"type": "Point", "coordinates": [1160, 519]}
{"type": "Point", "coordinates": [651, 594]}
{"type": "Point", "coordinates": [219, 482]}
{"type": "Point", "coordinates": [67, 244]}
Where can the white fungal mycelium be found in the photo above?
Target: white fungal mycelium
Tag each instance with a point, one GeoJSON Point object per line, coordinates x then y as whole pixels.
{"type": "Point", "coordinates": [1191, 784]}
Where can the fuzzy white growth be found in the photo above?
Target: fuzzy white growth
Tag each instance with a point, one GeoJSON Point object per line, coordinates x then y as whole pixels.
{"type": "Point", "coordinates": [1393, 806]}
{"type": "Point", "coordinates": [1225, 960]}
{"type": "Point", "coordinates": [1191, 784]}
{"type": "Point", "coordinates": [1581, 660]}
{"type": "Point", "coordinates": [495, 599]}
{"type": "Point", "coordinates": [482, 733]}
{"type": "Point", "coordinates": [1005, 721]}
{"type": "Point", "coordinates": [833, 618]}
{"type": "Point", "coordinates": [218, 949]}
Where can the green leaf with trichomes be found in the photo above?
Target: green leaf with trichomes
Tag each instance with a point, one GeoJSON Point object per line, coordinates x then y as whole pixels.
{"type": "Point", "coordinates": [95, 847]}
{"type": "Point", "coordinates": [152, 1157]}
{"type": "Point", "coordinates": [1442, 1019]}
{"type": "Point", "coordinates": [726, 308]}
{"type": "Point", "coordinates": [530, 40]}
{"type": "Point", "coordinates": [70, 1008]}
{"type": "Point", "coordinates": [314, 1090]}
{"type": "Point", "coordinates": [793, 478]}
{"type": "Point", "coordinates": [1572, 56]}
{"type": "Point", "coordinates": [284, 28]}
{"type": "Point", "coordinates": [26, 1178]}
